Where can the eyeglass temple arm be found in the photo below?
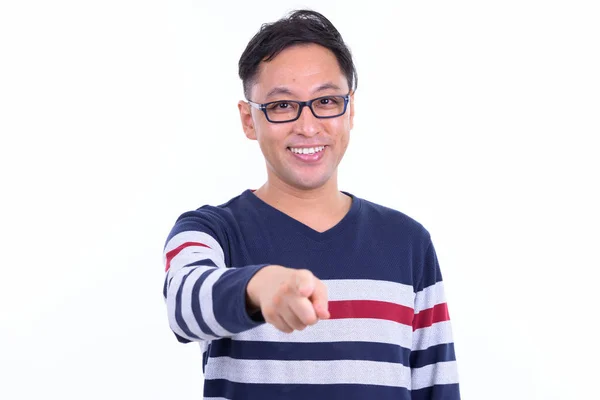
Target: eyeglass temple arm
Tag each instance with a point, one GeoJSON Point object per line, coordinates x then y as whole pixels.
{"type": "Point", "coordinates": [255, 105]}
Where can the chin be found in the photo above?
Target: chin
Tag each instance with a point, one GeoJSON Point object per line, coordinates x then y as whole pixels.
{"type": "Point", "coordinates": [310, 183]}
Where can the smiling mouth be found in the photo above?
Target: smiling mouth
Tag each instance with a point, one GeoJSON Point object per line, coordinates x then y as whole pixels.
{"type": "Point", "coordinates": [306, 150]}
{"type": "Point", "coordinates": [308, 155]}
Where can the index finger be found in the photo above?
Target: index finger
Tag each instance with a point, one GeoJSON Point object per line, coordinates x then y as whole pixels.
{"type": "Point", "coordinates": [320, 300]}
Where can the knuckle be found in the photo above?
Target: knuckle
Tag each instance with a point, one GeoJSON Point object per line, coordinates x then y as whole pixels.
{"type": "Point", "coordinates": [284, 287]}
{"type": "Point", "coordinates": [277, 300]}
{"type": "Point", "coordinates": [322, 289]}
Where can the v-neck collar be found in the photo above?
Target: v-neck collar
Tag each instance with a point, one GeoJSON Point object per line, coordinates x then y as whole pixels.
{"type": "Point", "coordinates": [280, 217]}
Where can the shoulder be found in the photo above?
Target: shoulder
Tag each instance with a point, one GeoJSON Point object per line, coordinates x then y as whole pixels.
{"type": "Point", "coordinates": [214, 220]}
{"type": "Point", "coordinates": [392, 221]}
{"type": "Point", "coordinates": [396, 231]}
{"type": "Point", "coordinates": [211, 226]}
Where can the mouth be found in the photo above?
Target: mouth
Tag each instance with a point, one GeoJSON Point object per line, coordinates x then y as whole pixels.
{"type": "Point", "coordinates": [306, 150]}
{"type": "Point", "coordinates": [308, 154]}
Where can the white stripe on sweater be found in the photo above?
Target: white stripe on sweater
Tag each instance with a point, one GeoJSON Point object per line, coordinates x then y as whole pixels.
{"type": "Point", "coordinates": [356, 330]}
{"type": "Point", "coordinates": [190, 255]}
{"type": "Point", "coordinates": [429, 297]}
{"type": "Point", "coordinates": [441, 373]}
{"type": "Point", "coordinates": [309, 372]}
{"type": "Point", "coordinates": [368, 289]}
{"type": "Point", "coordinates": [336, 330]}
{"type": "Point", "coordinates": [438, 333]}
{"type": "Point", "coordinates": [206, 303]}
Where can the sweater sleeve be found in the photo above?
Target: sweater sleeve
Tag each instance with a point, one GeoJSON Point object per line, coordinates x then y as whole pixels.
{"type": "Point", "coordinates": [434, 373]}
{"type": "Point", "coordinates": [205, 298]}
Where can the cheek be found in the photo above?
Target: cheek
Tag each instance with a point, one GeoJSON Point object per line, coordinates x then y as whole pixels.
{"type": "Point", "coordinates": [345, 142]}
{"type": "Point", "coordinates": [344, 124]}
{"type": "Point", "coordinates": [342, 130]}
{"type": "Point", "coordinates": [269, 139]}
{"type": "Point", "coordinates": [343, 138]}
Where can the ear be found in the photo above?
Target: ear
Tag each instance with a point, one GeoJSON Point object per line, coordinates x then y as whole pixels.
{"type": "Point", "coordinates": [352, 110]}
{"type": "Point", "coordinates": [246, 118]}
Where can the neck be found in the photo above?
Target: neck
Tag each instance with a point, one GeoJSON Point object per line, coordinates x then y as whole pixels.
{"type": "Point", "coordinates": [319, 207]}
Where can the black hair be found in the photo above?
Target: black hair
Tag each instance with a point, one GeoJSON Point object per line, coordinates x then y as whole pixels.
{"type": "Point", "coordinates": [299, 27]}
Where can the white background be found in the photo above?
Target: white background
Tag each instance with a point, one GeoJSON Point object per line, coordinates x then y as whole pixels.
{"type": "Point", "coordinates": [478, 119]}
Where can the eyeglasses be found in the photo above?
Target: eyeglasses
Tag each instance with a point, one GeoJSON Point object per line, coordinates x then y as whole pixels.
{"type": "Point", "coordinates": [289, 110]}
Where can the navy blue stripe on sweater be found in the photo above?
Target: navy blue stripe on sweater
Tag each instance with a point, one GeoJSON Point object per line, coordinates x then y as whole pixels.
{"type": "Point", "coordinates": [432, 355]}
{"type": "Point", "coordinates": [178, 314]}
{"type": "Point", "coordinates": [241, 391]}
{"type": "Point", "coordinates": [207, 262]}
{"type": "Point", "coordinates": [254, 350]}
{"type": "Point", "coordinates": [196, 302]}
{"type": "Point", "coordinates": [446, 392]}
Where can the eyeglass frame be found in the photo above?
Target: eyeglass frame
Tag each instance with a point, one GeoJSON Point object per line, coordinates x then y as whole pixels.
{"type": "Point", "coordinates": [301, 105]}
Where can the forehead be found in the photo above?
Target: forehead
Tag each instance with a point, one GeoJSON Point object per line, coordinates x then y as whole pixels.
{"type": "Point", "coordinates": [300, 69]}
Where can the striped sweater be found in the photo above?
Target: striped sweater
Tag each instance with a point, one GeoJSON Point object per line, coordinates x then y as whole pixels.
{"type": "Point", "coordinates": [389, 335]}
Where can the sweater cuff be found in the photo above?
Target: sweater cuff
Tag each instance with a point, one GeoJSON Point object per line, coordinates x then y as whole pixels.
{"type": "Point", "coordinates": [229, 300]}
{"type": "Point", "coordinates": [256, 318]}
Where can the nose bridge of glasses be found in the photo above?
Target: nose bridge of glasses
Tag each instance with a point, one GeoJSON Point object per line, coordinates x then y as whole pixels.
{"type": "Point", "coordinates": [306, 122]}
{"type": "Point", "coordinates": [307, 107]}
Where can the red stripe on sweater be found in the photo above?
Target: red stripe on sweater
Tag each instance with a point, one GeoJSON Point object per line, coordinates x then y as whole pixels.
{"type": "Point", "coordinates": [371, 309]}
{"type": "Point", "coordinates": [428, 317]}
{"type": "Point", "coordinates": [171, 254]}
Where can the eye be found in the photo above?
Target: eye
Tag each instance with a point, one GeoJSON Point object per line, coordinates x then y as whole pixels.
{"type": "Point", "coordinates": [279, 106]}
{"type": "Point", "coordinates": [328, 101]}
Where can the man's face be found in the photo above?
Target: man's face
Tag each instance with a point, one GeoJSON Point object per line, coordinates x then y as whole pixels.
{"type": "Point", "coordinates": [299, 73]}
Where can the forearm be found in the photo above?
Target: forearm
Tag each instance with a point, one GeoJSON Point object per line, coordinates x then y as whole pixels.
{"type": "Point", "coordinates": [433, 359]}
{"type": "Point", "coordinates": [205, 302]}
{"type": "Point", "coordinates": [205, 299]}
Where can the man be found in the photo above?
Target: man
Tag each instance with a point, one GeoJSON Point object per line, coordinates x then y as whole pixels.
{"type": "Point", "coordinates": [297, 290]}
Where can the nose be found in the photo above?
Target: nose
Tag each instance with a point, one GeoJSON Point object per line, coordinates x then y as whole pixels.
{"type": "Point", "coordinates": [307, 124]}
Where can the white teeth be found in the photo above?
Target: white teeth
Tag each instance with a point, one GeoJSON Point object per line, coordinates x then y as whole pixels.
{"type": "Point", "coordinates": [307, 150]}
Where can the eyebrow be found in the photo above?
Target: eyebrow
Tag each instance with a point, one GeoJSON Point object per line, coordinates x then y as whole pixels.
{"type": "Point", "coordinates": [279, 90]}
{"type": "Point", "coordinates": [327, 86]}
